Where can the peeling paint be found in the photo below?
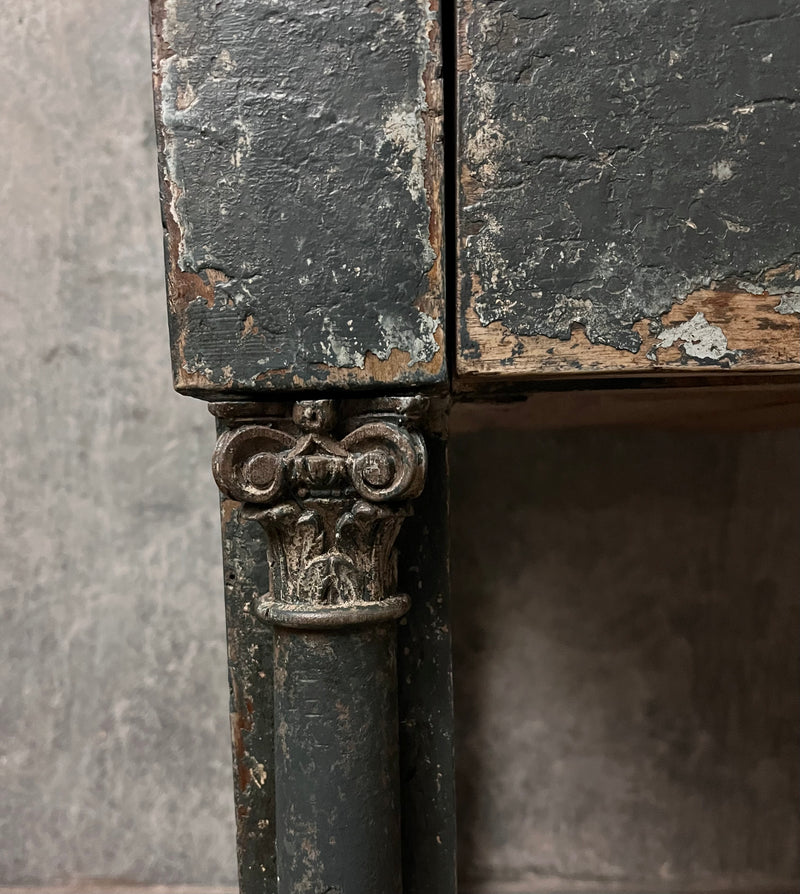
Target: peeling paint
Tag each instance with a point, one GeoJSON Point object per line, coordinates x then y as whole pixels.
{"type": "Point", "coordinates": [606, 183]}
{"type": "Point", "coordinates": [722, 170]}
{"type": "Point", "coordinates": [420, 343]}
{"type": "Point", "coordinates": [698, 338]}
{"type": "Point", "coordinates": [789, 303]}
{"type": "Point", "coordinates": [403, 129]}
{"type": "Point", "coordinates": [312, 189]}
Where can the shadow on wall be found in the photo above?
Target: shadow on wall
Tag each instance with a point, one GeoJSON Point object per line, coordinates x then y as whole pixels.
{"type": "Point", "coordinates": [626, 611]}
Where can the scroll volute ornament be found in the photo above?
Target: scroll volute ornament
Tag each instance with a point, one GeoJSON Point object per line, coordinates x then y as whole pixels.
{"type": "Point", "coordinates": [331, 507]}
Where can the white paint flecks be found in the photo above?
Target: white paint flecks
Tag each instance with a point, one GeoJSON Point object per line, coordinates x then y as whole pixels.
{"type": "Point", "coordinates": [790, 303]}
{"type": "Point", "coordinates": [488, 140]}
{"type": "Point", "coordinates": [418, 340]}
{"type": "Point", "coordinates": [698, 338]}
{"type": "Point", "coordinates": [735, 227]}
{"type": "Point", "coordinates": [340, 348]}
{"type": "Point", "coordinates": [244, 143]}
{"type": "Point", "coordinates": [404, 129]}
{"type": "Point", "coordinates": [722, 170]}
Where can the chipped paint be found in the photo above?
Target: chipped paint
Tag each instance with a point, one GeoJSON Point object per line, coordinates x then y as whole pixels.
{"type": "Point", "coordinates": [760, 338]}
{"type": "Point", "coordinates": [698, 338]}
{"type": "Point", "coordinates": [296, 254]}
{"type": "Point", "coordinates": [789, 303]}
{"type": "Point", "coordinates": [604, 189]}
{"type": "Point", "coordinates": [403, 128]}
{"type": "Point", "coordinates": [419, 343]}
{"type": "Point", "coordinates": [722, 170]}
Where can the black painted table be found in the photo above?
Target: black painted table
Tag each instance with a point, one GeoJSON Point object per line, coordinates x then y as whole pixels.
{"type": "Point", "coordinates": [374, 209]}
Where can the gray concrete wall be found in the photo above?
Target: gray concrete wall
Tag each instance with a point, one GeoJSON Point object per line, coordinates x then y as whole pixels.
{"type": "Point", "coordinates": [113, 700]}
{"type": "Point", "coordinates": [626, 603]}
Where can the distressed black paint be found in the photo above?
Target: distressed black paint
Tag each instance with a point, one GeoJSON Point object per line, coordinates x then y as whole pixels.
{"type": "Point", "coordinates": [425, 685]}
{"type": "Point", "coordinates": [618, 154]}
{"type": "Point", "coordinates": [426, 802]}
{"type": "Point", "coordinates": [251, 686]}
{"type": "Point", "coordinates": [301, 179]}
{"type": "Point", "coordinates": [336, 757]}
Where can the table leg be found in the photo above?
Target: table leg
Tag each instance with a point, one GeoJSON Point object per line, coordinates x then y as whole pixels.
{"type": "Point", "coordinates": [331, 486]}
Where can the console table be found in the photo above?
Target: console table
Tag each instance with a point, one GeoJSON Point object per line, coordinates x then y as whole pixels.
{"type": "Point", "coordinates": [379, 211]}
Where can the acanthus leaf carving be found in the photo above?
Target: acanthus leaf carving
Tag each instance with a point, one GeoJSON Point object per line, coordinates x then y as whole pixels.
{"type": "Point", "coordinates": [331, 508]}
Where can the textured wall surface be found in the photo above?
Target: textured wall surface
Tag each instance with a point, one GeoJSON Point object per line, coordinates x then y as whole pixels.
{"type": "Point", "coordinates": [114, 757]}
{"type": "Point", "coordinates": [622, 706]}
{"type": "Point", "coordinates": [626, 643]}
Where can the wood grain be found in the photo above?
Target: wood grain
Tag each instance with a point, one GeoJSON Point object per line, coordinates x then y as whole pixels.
{"type": "Point", "coordinates": [747, 333]}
